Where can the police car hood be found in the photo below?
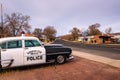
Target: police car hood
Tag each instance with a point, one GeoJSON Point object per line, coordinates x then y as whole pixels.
{"type": "Point", "coordinates": [53, 45]}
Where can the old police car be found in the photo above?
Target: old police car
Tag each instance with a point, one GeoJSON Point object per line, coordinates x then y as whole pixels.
{"type": "Point", "coordinates": [22, 51]}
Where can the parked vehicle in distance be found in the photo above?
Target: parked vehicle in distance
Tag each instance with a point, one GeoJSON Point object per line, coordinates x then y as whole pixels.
{"type": "Point", "coordinates": [22, 51]}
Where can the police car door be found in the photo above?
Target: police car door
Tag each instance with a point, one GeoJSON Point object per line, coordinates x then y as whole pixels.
{"type": "Point", "coordinates": [34, 52]}
{"type": "Point", "coordinates": [12, 53]}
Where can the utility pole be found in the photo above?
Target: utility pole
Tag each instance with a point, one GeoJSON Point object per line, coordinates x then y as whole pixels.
{"type": "Point", "coordinates": [2, 32]}
{"type": "Point", "coordinates": [1, 18]}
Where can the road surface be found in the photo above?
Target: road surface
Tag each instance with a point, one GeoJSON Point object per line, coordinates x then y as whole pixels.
{"type": "Point", "coordinates": [108, 51]}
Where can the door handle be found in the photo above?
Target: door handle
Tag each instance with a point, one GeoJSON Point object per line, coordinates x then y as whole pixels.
{"type": "Point", "coordinates": [3, 49]}
{"type": "Point", "coordinates": [26, 48]}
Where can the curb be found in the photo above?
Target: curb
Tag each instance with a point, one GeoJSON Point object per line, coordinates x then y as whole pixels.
{"type": "Point", "coordinates": [112, 62]}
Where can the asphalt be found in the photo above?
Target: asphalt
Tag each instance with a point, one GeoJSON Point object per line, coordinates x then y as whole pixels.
{"type": "Point", "coordinates": [101, 53]}
{"type": "Point", "coordinates": [112, 52]}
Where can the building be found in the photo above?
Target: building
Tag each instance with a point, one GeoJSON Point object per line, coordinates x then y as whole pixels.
{"type": "Point", "coordinates": [97, 39]}
{"type": "Point", "coordinates": [116, 38]}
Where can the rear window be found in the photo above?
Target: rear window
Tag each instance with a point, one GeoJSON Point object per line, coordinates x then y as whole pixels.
{"type": "Point", "coordinates": [11, 44]}
{"type": "Point", "coordinates": [14, 44]}
{"type": "Point", "coordinates": [3, 45]}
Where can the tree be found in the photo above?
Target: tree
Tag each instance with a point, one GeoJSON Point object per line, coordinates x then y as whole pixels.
{"type": "Point", "coordinates": [93, 29]}
{"type": "Point", "coordinates": [37, 32]}
{"type": "Point", "coordinates": [50, 33]}
{"type": "Point", "coordinates": [7, 31]}
{"type": "Point", "coordinates": [16, 23]}
{"type": "Point", "coordinates": [75, 32]}
{"type": "Point", "coordinates": [68, 37]}
{"type": "Point", "coordinates": [108, 30]}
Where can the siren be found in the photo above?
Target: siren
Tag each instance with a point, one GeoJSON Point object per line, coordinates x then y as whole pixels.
{"type": "Point", "coordinates": [22, 33]}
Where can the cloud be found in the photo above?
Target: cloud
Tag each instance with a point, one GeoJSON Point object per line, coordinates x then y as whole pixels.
{"type": "Point", "coordinates": [115, 26]}
{"type": "Point", "coordinates": [65, 14]}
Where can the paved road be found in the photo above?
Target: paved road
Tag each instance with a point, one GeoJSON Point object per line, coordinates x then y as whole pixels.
{"type": "Point", "coordinates": [108, 51]}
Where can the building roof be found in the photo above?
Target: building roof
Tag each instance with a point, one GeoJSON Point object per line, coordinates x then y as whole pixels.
{"type": "Point", "coordinates": [116, 33]}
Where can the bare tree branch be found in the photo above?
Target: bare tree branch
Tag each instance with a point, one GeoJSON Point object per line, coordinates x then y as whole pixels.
{"type": "Point", "coordinates": [16, 22]}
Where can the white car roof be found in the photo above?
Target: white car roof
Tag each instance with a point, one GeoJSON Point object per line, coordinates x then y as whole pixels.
{"type": "Point", "coordinates": [16, 38]}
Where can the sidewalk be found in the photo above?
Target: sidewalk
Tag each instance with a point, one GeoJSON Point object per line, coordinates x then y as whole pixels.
{"type": "Point", "coordinates": [112, 62]}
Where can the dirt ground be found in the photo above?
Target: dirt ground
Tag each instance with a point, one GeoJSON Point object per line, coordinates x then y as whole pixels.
{"type": "Point", "coordinates": [78, 69]}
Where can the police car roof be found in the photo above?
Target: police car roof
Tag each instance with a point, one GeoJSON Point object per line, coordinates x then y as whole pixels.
{"type": "Point", "coordinates": [16, 38]}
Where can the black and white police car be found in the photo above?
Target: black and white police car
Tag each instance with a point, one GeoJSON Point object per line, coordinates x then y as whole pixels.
{"type": "Point", "coordinates": [22, 51]}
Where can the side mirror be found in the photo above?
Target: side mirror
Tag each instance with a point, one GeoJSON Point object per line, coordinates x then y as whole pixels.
{"type": "Point", "coordinates": [42, 43]}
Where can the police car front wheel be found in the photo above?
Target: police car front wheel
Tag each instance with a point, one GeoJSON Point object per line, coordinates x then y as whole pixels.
{"type": "Point", "coordinates": [61, 59]}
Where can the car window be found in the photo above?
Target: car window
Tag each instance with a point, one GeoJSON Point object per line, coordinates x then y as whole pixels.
{"type": "Point", "coordinates": [31, 43]}
{"type": "Point", "coordinates": [14, 44]}
{"type": "Point", "coordinates": [36, 43]}
{"type": "Point", "coordinates": [3, 45]}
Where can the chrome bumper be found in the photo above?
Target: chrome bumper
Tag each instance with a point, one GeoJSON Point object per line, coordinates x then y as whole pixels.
{"type": "Point", "coordinates": [71, 57]}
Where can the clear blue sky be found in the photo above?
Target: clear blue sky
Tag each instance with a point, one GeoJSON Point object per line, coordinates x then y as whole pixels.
{"type": "Point", "coordinates": [66, 14]}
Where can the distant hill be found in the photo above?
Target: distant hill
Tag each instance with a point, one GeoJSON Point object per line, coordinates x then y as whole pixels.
{"type": "Point", "coordinates": [118, 33]}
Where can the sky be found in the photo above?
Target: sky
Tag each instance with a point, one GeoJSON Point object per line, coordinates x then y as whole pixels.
{"type": "Point", "coordinates": [66, 14]}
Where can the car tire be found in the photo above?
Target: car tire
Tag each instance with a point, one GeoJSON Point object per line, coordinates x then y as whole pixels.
{"type": "Point", "coordinates": [61, 59]}
{"type": "Point", "coordinates": [0, 68]}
